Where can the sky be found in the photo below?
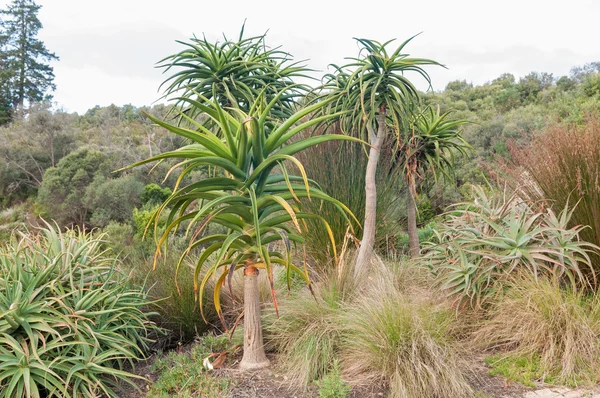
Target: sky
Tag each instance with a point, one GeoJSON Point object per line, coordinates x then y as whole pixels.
{"type": "Point", "coordinates": [108, 49]}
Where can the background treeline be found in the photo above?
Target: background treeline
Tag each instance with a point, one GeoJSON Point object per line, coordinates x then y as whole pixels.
{"type": "Point", "coordinates": [62, 164]}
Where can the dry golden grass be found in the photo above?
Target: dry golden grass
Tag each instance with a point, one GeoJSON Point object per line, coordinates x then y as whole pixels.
{"type": "Point", "coordinates": [404, 342]}
{"type": "Point", "coordinates": [542, 319]}
{"type": "Point", "coordinates": [384, 327]}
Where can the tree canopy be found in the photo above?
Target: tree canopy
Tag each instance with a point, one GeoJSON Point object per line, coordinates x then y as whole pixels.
{"type": "Point", "coordinates": [25, 72]}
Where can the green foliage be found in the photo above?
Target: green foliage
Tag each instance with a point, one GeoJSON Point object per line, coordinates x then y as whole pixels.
{"type": "Point", "coordinates": [524, 370]}
{"type": "Point", "coordinates": [426, 234]}
{"type": "Point", "coordinates": [332, 385]}
{"type": "Point", "coordinates": [119, 237]}
{"type": "Point", "coordinates": [425, 211]}
{"type": "Point", "coordinates": [430, 145]}
{"type": "Point", "coordinates": [175, 299]}
{"type": "Point", "coordinates": [374, 85]}
{"type": "Point", "coordinates": [154, 195]}
{"type": "Point", "coordinates": [70, 322]}
{"type": "Point", "coordinates": [246, 197]}
{"type": "Point", "coordinates": [29, 147]}
{"type": "Point", "coordinates": [349, 187]}
{"type": "Point", "coordinates": [591, 85]}
{"type": "Point", "coordinates": [234, 73]}
{"type": "Point", "coordinates": [171, 292]}
{"type": "Point", "coordinates": [12, 220]}
{"type": "Point", "coordinates": [484, 243]}
{"type": "Point", "coordinates": [184, 375]}
{"type": "Point", "coordinates": [28, 77]}
{"type": "Point", "coordinates": [112, 199]}
{"type": "Point", "coordinates": [542, 331]}
{"type": "Point", "coordinates": [63, 188]}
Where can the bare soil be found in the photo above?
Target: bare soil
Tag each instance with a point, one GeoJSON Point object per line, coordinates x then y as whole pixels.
{"type": "Point", "coordinates": [270, 383]}
{"type": "Point", "coordinates": [494, 386]}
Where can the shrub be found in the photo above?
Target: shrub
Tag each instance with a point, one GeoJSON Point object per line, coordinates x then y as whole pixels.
{"type": "Point", "coordinates": [483, 243]}
{"type": "Point", "coordinates": [112, 199]}
{"type": "Point", "coordinates": [332, 385]}
{"type": "Point", "coordinates": [550, 330]}
{"type": "Point", "coordinates": [70, 322]}
{"type": "Point", "coordinates": [404, 344]}
{"type": "Point", "coordinates": [62, 191]}
{"type": "Point", "coordinates": [119, 238]}
{"type": "Point", "coordinates": [154, 195]}
{"type": "Point", "coordinates": [425, 235]}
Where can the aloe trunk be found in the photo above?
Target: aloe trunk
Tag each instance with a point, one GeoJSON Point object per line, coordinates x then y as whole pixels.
{"type": "Point", "coordinates": [365, 250]}
{"type": "Point", "coordinates": [413, 236]}
{"type": "Point", "coordinates": [254, 351]}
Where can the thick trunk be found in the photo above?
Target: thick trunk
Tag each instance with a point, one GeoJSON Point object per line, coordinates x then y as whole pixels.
{"type": "Point", "coordinates": [254, 351]}
{"type": "Point", "coordinates": [413, 236]}
{"type": "Point", "coordinates": [365, 251]}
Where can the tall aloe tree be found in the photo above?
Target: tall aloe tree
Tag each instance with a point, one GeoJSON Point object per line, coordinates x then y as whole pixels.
{"type": "Point", "coordinates": [233, 73]}
{"type": "Point", "coordinates": [253, 196]}
{"type": "Point", "coordinates": [429, 148]}
{"type": "Point", "coordinates": [378, 99]}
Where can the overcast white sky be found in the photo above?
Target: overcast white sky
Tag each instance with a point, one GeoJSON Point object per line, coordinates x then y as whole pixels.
{"type": "Point", "coordinates": [108, 48]}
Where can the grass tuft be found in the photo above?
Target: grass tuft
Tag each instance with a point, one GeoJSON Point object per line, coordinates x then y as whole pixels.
{"type": "Point", "coordinates": [546, 323]}
{"type": "Point", "coordinates": [404, 344]}
{"type": "Point", "coordinates": [308, 332]}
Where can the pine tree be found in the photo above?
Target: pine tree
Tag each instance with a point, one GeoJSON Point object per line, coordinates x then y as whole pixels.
{"type": "Point", "coordinates": [5, 96]}
{"type": "Point", "coordinates": [25, 75]}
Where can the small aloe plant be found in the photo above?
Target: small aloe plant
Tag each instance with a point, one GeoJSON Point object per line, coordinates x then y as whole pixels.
{"type": "Point", "coordinates": [486, 242]}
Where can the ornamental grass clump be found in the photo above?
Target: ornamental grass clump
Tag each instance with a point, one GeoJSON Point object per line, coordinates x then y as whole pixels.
{"type": "Point", "coordinates": [545, 323]}
{"type": "Point", "coordinates": [309, 330]}
{"type": "Point", "coordinates": [562, 166]}
{"type": "Point", "coordinates": [69, 322]}
{"type": "Point", "coordinates": [404, 344]}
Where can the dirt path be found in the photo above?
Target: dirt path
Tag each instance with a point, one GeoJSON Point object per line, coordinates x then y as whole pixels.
{"type": "Point", "coordinates": [270, 383]}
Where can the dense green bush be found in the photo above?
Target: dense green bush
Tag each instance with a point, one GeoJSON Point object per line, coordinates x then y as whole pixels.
{"type": "Point", "coordinates": [70, 322]}
{"type": "Point", "coordinates": [62, 192]}
{"type": "Point", "coordinates": [154, 195]}
{"type": "Point", "coordinates": [112, 199]}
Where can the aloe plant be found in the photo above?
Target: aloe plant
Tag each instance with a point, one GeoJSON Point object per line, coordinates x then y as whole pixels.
{"type": "Point", "coordinates": [252, 195]}
{"type": "Point", "coordinates": [378, 99]}
{"type": "Point", "coordinates": [234, 73]}
{"type": "Point", "coordinates": [428, 148]}
{"type": "Point", "coordinates": [486, 242]}
{"type": "Point", "coordinates": [69, 322]}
